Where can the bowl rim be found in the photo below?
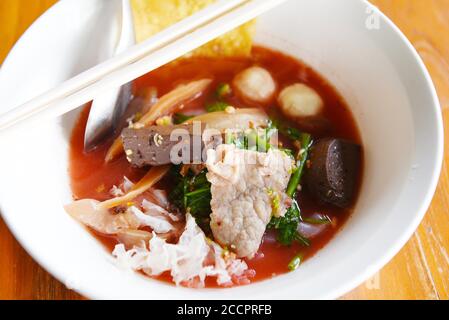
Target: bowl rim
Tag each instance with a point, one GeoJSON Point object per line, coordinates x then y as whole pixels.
{"type": "Point", "coordinates": [359, 277]}
{"type": "Point", "coordinates": [436, 173]}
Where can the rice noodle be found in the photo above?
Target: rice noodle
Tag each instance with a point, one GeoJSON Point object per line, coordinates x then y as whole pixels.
{"type": "Point", "coordinates": [186, 261]}
{"type": "Point", "coordinates": [157, 223]}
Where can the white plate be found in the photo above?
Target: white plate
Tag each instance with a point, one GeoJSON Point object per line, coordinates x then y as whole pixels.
{"type": "Point", "coordinates": [375, 69]}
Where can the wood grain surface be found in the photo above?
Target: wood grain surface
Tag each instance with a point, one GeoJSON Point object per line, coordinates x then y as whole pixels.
{"type": "Point", "coordinates": [419, 271]}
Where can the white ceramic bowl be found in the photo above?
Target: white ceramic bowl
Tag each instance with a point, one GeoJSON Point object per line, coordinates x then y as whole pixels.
{"type": "Point", "coordinates": [376, 70]}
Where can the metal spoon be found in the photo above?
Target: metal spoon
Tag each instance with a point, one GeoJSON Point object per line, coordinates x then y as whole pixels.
{"type": "Point", "coordinates": [107, 108]}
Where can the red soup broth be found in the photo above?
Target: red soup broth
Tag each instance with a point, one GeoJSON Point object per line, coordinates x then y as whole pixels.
{"type": "Point", "coordinates": [92, 178]}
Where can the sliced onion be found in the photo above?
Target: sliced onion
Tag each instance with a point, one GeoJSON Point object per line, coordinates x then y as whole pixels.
{"type": "Point", "coordinates": [239, 119]}
{"type": "Point", "coordinates": [165, 106]}
{"type": "Point", "coordinates": [309, 230]}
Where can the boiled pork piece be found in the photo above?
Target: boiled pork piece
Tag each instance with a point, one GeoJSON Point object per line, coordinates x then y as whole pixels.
{"type": "Point", "coordinates": [248, 188]}
{"type": "Point", "coordinates": [153, 145]}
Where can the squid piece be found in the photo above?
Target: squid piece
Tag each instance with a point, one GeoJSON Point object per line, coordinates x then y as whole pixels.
{"type": "Point", "coordinates": [92, 214]}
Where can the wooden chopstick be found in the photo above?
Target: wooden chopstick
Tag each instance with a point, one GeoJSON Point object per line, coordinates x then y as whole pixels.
{"type": "Point", "coordinates": [159, 50]}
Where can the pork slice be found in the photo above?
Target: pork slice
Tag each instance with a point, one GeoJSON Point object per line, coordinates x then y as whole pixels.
{"type": "Point", "coordinates": [247, 188]}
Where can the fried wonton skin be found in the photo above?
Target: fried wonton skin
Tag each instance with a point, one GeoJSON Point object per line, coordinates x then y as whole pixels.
{"type": "Point", "coordinates": [152, 16]}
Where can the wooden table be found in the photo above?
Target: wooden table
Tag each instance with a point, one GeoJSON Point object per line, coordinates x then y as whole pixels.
{"type": "Point", "coordinates": [419, 271]}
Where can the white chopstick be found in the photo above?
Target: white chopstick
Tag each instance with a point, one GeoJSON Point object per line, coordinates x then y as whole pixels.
{"type": "Point", "coordinates": [131, 55]}
{"type": "Point", "coordinates": [141, 59]}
